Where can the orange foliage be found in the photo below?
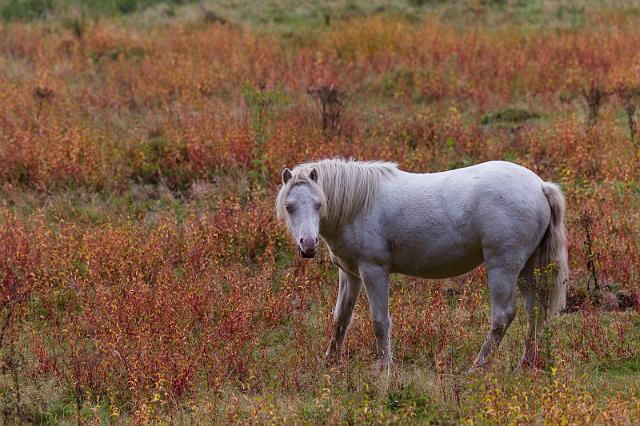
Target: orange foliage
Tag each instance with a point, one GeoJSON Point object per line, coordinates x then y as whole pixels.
{"type": "Point", "coordinates": [133, 313]}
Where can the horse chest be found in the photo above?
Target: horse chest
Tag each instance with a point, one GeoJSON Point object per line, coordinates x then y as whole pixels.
{"type": "Point", "coordinates": [345, 264]}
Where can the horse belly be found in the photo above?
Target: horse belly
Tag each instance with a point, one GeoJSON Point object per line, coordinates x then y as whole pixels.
{"type": "Point", "coordinates": [440, 264]}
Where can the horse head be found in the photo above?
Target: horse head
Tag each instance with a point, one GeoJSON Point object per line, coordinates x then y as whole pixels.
{"type": "Point", "coordinates": [300, 203]}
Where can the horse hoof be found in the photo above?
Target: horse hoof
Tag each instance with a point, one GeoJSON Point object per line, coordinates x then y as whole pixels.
{"type": "Point", "coordinates": [331, 357]}
{"type": "Point", "coordinates": [382, 366]}
{"type": "Point", "coordinates": [329, 360]}
{"type": "Point", "coordinates": [478, 367]}
{"type": "Point", "coordinates": [474, 369]}
{"type": "Point", "coordinates": [531, 365]}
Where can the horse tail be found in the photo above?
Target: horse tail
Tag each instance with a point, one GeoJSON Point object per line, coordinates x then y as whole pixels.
{"type": "Point", "coordinates": [553, 260]}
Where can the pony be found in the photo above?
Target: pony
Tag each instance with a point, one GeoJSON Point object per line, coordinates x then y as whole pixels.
{"type": "Point", "coordinates": [377, 220]}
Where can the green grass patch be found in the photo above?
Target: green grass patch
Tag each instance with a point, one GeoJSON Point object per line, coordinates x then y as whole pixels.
{"type": "Point", "coordinates": [510, 115]}
{"type": "Point", "coordinates": [28, 10]}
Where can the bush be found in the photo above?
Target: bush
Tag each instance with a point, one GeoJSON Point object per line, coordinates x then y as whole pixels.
{"type": "Point", "coordinates": [26, 10]}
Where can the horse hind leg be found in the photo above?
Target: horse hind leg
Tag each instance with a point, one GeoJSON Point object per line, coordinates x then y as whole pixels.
{"type": "Point", "coordinates": [536, 314]}
{"type": "Point", "coordinates": [502, 284]}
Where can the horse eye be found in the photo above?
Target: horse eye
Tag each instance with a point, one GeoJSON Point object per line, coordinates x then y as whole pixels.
{"type": "Point", "coordinates": [290, 208]}
{"type": "Point", "coordinates": [318, 206]}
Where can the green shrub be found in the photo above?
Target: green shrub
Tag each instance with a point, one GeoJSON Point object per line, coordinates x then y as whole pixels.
{"type": "Point", "coordinates": [25, 10]}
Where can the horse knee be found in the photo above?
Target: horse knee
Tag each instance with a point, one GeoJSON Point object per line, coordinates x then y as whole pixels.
{"type": "Point", "coordinates": [381, 327]}
{"type": "Point", "coordinates": [502, 318]}
{"type": "Point", "coordinates": [342, 320]}
{"type": "Point", "coordinates": [339, 329]}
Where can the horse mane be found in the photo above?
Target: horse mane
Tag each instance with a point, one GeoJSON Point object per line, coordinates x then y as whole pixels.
{"type": "Point", "coordinates": [346, 187]}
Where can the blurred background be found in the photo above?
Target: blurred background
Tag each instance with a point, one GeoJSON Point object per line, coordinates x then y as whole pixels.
{"type": "Point", "coordinates": [145, 279]}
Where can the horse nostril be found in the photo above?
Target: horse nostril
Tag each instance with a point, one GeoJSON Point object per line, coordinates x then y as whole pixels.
{"type": "Point", "coordinates": [309, 242]}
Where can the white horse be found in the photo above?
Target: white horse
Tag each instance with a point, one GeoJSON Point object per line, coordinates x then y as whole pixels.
{"type": "Point", "coordinates": [377, 220]}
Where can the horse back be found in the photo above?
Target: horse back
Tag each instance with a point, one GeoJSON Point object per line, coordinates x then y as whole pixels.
{"type": "Point", "coordinates": [444, 224]}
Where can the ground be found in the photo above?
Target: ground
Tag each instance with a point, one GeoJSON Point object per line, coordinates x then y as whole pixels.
{"type": "Point", "coordinates": [144, 277]}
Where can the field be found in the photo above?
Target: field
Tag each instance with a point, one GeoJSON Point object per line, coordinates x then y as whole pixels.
{"type": "Point", "coordinates": [144, 278]}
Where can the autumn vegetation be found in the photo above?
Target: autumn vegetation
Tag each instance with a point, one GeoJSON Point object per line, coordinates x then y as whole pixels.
{"type": "Point", "coordinates": [145, 279]}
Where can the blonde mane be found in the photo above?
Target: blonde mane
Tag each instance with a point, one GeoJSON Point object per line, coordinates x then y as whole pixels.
{"type": "Point", "coordinates": [346, 187]}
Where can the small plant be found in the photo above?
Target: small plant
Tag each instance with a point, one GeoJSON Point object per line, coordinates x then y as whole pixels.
{"type": "Point", "coordinates": [262, 104]}
{"type": "Point", "coordinates": [626, 82]}
{"type": "Point", "coordinates": [162, 161]}
{"type": "Point", "coordinates": [42, 95]}
{"type": "Point", "coordinates": [586, 222]}
{"type": "Point", "coordinates": [630, 99]}
{"type": "Point", "coordinates": [594, 96]}
{"type": "Point", "coordinates": [329, 101]}
{"type": "Point", "coordinates": [510, 116]}
{"type": "Point", "coordinates": [16, 289]}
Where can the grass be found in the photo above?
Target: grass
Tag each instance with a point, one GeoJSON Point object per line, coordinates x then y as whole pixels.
{"type": "Point", "coordinates": [291, 18]}
{"type": "Point", "coordinates": [28, 10]}
{"type": "Point", "coordinates": [510, 116]}
{"type": "Point", "coordinates": [148, 280]}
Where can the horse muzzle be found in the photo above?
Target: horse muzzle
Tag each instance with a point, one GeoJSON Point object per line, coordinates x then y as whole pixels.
{"type": "Point", "coordinates": [309, 253]}
{"type": "Point", "coordinates": [308, 247]}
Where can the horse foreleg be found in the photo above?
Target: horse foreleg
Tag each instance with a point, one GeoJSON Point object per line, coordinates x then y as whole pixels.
{"type": "Point", "coordinates": [503, 309]}
{"type": "Point", "coordinates": [376, 284]}
{"type": "Point", "coordinates": [348, 292]}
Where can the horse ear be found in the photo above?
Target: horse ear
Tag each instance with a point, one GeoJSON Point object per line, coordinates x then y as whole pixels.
{"type": "Point", "coordinates": [286, 175]}
{"type": "Point", "coordinates": [314, 175]}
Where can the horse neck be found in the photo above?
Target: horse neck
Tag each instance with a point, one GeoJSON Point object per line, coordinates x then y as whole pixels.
{"type": "Point", "coordinates": [338, 215]}
{"type": "Point", "coordinates": [331, 230]}
{"type": "Point", "coordinates": [332, 235]}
